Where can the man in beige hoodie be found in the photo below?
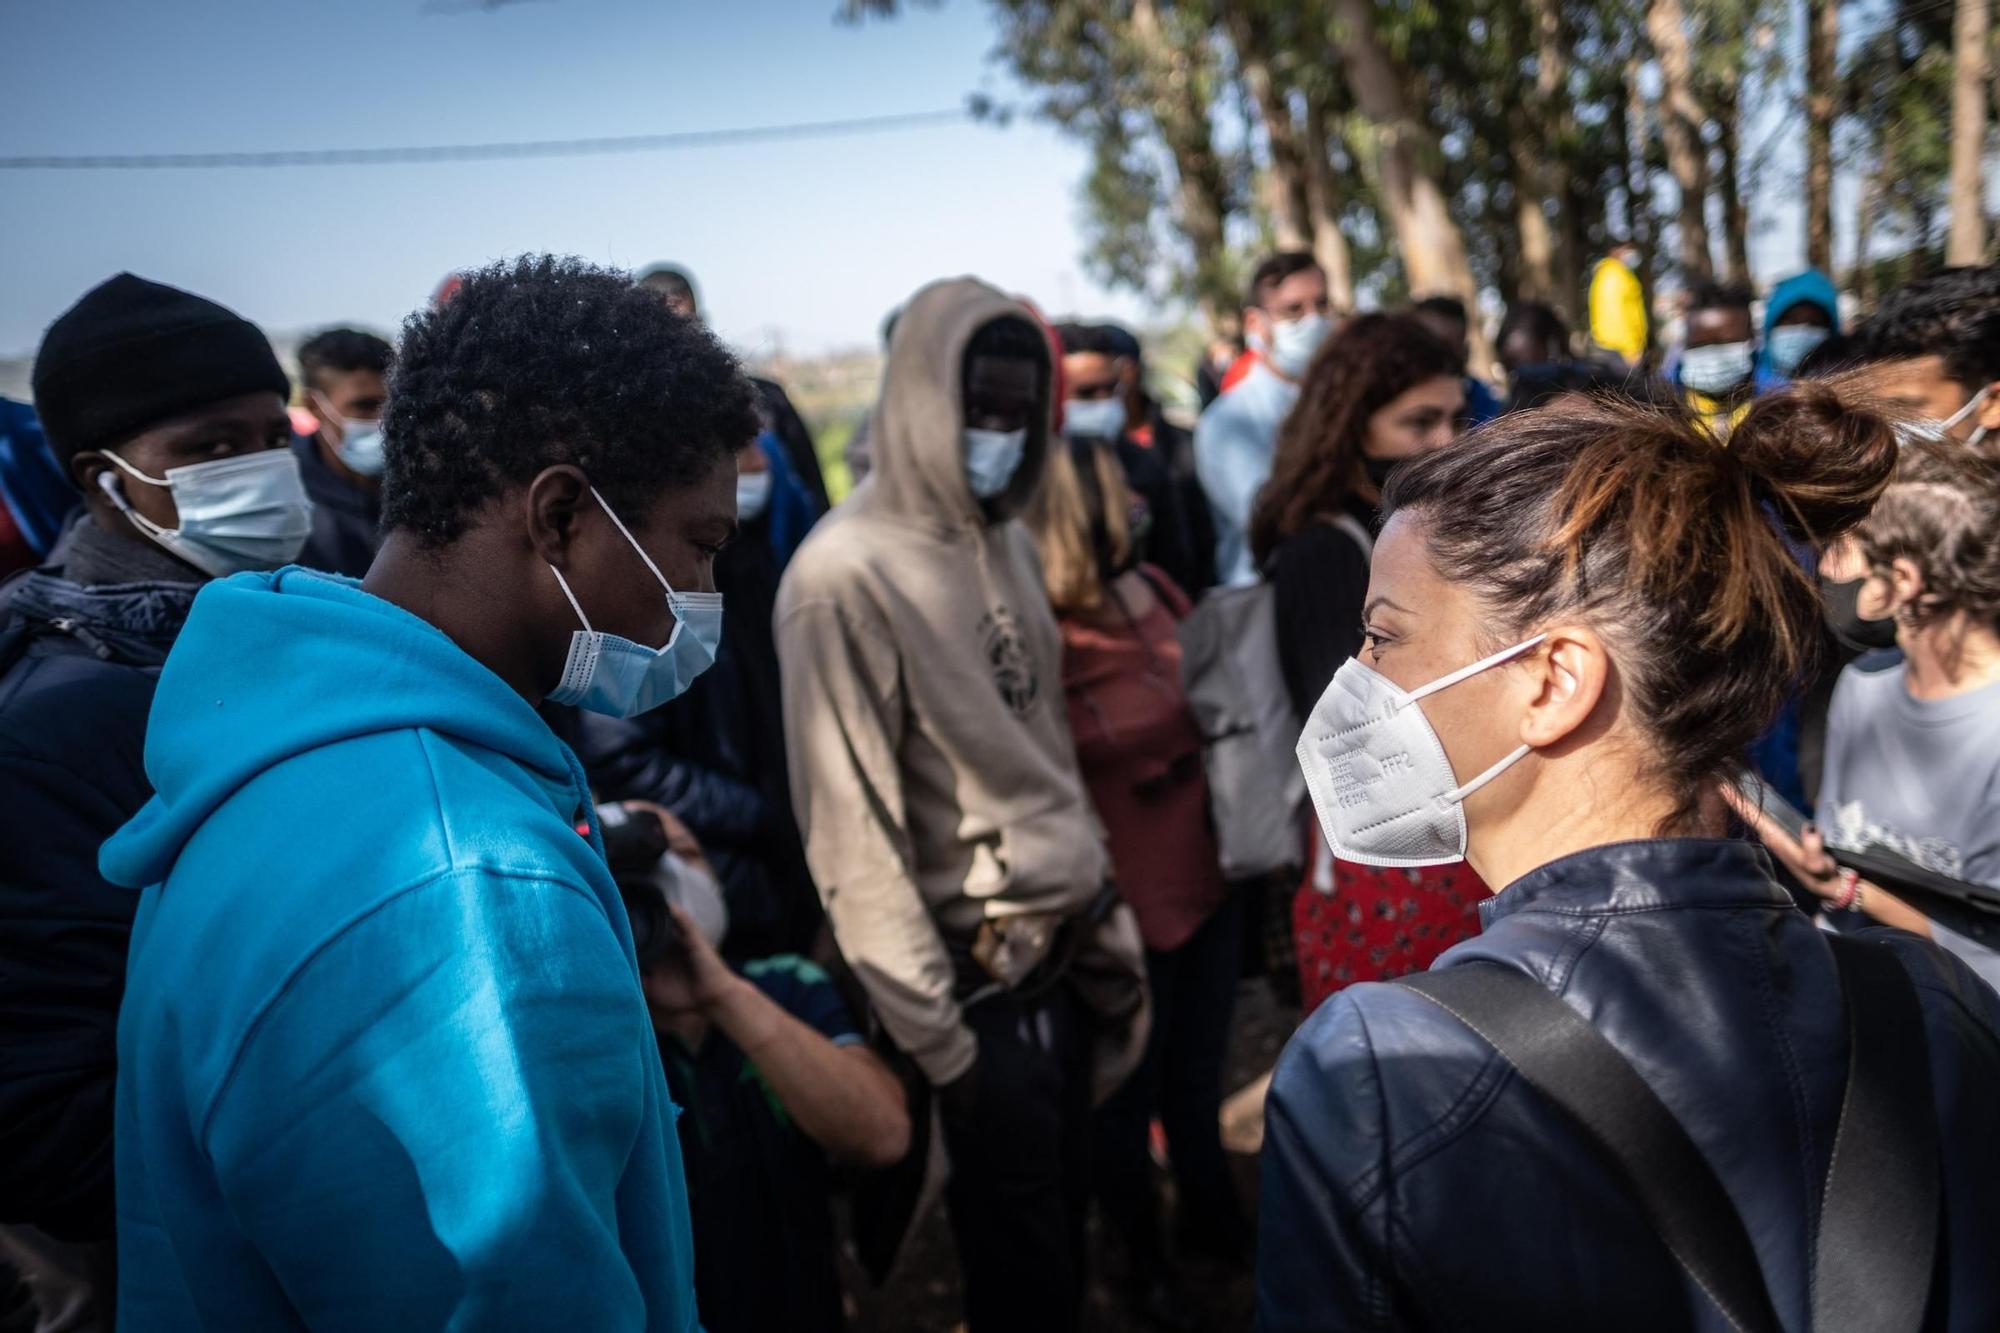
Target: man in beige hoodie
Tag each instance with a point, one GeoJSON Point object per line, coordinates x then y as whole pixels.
{"type": "Point", "coordinates": [964, 873]}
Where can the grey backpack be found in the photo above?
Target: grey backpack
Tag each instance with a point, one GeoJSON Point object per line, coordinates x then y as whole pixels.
{"type": "Point", "coordinates": [1236, 690]}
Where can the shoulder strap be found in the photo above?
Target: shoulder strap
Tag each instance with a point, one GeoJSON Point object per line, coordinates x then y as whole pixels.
{"type": "Point", "coordinates": [1560, 1055]}
{"type": "Point", "coordinates": [1878, 1225]}
{"type": "Point", "coordinates": [1165, 591]}
{"type": "Point", "coordinates": [1348, 524]}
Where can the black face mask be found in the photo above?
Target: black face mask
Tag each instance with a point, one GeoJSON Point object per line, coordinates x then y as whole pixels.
{"type": "Point", "coordinates": [1378, 470]}
{"type": "Point", "coordinates": [1843, 616]}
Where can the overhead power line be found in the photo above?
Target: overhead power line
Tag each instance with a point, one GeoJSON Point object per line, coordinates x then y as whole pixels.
{"type": "Point", "coordinates": [487, 152]}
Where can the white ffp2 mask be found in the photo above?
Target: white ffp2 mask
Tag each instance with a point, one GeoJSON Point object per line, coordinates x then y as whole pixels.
{"type": "Point", "coordinates": [1379, 777]}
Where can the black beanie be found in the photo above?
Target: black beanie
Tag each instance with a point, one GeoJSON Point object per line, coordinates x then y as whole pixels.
{"type": "Point", "coordinates": [133, 353]}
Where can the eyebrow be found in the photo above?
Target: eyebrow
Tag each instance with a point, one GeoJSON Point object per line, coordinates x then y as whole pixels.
{"type": "Point", "coordinates": [1377, 603]}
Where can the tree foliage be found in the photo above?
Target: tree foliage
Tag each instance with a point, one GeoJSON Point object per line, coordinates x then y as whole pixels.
{"type": "Point", "coordinates": [1526, 134]}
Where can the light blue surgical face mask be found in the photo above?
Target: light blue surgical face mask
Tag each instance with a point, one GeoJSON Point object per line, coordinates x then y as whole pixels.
{"type": "Point", "coordinates": [247, 512]}
{"type": "Point", "coordinates": [362, 443]}
{"type": "Point", "coordinates": [619, 678]}
{"type": "Point", "coordinates": [362, 447]}
{"type": "Point", "coordinates": [1293, 342]}
{"type": "Point", "coordinates": [1790, 344]}
{"type": "Point", "coordinates": [992, 457]}
{"type": "Point", "coordinates": [1719, 368]}
{"type": "Point", "coordinates": [753, 495]}
{"type": "Point", "coordinates": [1098, 418]}
{"type": "Point", "coordinates": [1930, 430]}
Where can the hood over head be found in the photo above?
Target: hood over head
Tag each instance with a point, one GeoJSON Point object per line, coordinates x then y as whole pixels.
{"type": "Point", "coordinates": [272, 665]}
{"type": "Point", "coordinates": [1811, 287]}
{"type": "Point", "coordinates": [917, 429]}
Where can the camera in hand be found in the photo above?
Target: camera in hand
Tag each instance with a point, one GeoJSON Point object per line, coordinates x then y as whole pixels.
{"type": "Point", "coordinates": [635, 846]}
{"type": "Point", "coordinates": [650, 875]}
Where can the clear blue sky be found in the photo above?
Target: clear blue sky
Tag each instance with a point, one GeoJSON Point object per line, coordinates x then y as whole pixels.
{"type": "Point", "coordinates": [811, 242]}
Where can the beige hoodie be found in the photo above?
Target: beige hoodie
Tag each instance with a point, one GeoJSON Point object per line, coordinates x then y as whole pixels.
{"type": "Point", "coordinates": [932, 768]}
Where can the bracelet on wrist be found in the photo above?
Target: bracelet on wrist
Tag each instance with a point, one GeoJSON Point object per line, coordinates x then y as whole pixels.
{"type": "Point", "coordinates": [1849, 897]}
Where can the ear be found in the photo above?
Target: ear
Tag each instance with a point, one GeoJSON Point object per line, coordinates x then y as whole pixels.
{"type": "Point", "coordinates": [1988, 413]}
{"type": "Point", "coordinates": [1568, 676]}
{"type": "Point", "coordinates": [85, 468]}
{"type": "Point", "coordinates": [553, 507]}
{"type": "Point", "coordinates": [1906, 581]}
{"type": "Point", "coordinates": [1256, 322]}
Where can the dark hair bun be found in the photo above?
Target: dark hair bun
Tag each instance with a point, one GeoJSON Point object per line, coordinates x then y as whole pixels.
{"type": "Point", "coordinates": [1822, 450]}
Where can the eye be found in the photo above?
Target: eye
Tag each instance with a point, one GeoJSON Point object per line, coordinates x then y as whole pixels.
{"type": "Point", "coordinates": [1373, 641]}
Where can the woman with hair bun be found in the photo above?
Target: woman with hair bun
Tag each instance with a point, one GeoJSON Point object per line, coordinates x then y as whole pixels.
{"type": "Point", "coordinates": [1577, 621]}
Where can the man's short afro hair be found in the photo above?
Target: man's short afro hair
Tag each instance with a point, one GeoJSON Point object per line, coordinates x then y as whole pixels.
{"type": "Point", "coordinates": [545, 360]}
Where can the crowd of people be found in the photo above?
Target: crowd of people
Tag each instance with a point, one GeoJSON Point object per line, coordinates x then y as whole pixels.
{"type": "Point", "coordinates": [485, 844]}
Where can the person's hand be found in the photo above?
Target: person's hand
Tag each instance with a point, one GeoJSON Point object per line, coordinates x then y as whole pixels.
{"type": "Point", "coordinates": [1805, 856]}
{"type": "Point", "coordinates": [680, 839]}
{"type": "Point", "coordinates": [692, 981]}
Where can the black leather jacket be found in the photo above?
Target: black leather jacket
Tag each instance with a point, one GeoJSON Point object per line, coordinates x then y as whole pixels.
{"type": "Point", "coordinates": [1412, 1181]}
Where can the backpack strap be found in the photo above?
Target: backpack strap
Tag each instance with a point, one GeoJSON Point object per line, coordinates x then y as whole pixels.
{"type": "Point", "coordinates": [1878, 1228]}
{"type": "Point", "coordinates": [1559, 1054]}
{"type": "Point", "coordinates": [1877, 1244]}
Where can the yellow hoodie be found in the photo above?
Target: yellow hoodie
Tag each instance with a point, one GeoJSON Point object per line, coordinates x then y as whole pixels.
{"type": "Point", "coordinates": [1618, 310]}
{"type": "Point", "coordinates": [932, 767]}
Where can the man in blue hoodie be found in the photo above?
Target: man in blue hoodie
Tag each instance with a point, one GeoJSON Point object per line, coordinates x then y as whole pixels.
{"type": "Point", "coordinates": [384, 1061]}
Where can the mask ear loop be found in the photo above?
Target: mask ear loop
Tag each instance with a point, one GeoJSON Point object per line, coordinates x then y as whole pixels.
{"type": "Point", "coordinates": [563, 583]}
{"type": "Point", "coordinates": [1483, 664]}
{"type": "Point", "coordinates": [1971, 405]}
{"type": "Point", "coordinates": [107, 483]}
{"type": "Point", "coordinates": [673, 598]}
{"type": "Point", "coordinates": [133, 472]}
{"type": "Point", "coordinates": [1457, 795]}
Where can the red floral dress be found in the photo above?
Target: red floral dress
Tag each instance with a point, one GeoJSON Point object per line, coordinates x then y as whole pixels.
{"type": "Point", "coordinates": [1376, 924]}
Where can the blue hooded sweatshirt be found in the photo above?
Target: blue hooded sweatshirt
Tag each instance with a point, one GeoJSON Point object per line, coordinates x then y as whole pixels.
{"type": "Point", "coordinates": [1811, 287]}
{"type": "Point", "coordinates": [384, 1062]}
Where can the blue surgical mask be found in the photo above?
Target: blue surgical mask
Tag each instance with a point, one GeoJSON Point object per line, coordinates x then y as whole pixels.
{"type": "Point", "coordinates": [992, 457]}
{"type": "Point", "coordinates": [247, 512]}
{"type": "Point", "coordinates": [753, 495]}
{"type": "Point", "coordinates": [1293, 342]}
{"type": "Point", "coordinates": [619, 678]}
{"type": "Point", "coordinates": [1719, 368]}
{"type": "Point", "coordinates": [362, 443]}
{"type": "Point", "coordinates": [1098, 418]}
{"type": "Point", "coordinates": [1790, 344]}
{"type": "Point", "coordinates": [1930, 430]}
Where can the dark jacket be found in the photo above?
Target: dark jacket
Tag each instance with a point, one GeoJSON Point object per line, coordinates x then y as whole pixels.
{"type": "Point", "coordinates": [1411, 1181]}
{"type": "Point", "coordinates": [347, 518]}
{"type": "Point", "coordinates": [1319, 580]}
{"type": "Point", "coordinates": [77, 671]}
{"type": "Point", "coordinates": [716, 758]}
{"type": "Point", "coordinates": [783, 420]}
{"type": "Point", "coordinates": [1174, 448]}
